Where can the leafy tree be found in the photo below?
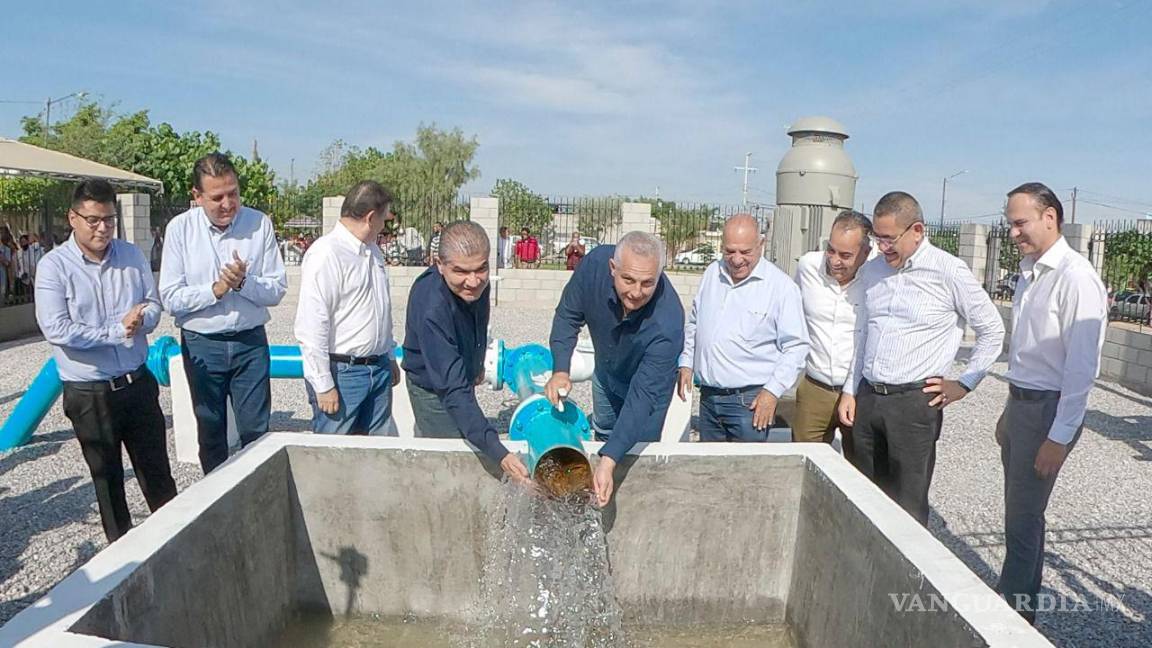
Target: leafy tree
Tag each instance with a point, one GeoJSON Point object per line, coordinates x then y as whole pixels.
{"type": "Point", "coordinates": [680, 226]}
{"type": "Point", "coordinates": [520, 208]}
{"type": "Point", "coordinates": [1127, 258]}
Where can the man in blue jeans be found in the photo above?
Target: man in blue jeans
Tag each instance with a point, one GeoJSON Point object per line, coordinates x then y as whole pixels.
{"type": "Point", "coordinates": [344, 319]}
{"type": "Point", "coordinates": [637, 326]}
{"type": "Point", "coordinates": [746, 338]}
{"type": "Point", "coordinates": [220, 273]}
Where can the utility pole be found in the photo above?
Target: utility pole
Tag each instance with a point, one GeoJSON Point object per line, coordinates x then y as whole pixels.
{"type": "Point", "coordinates": [1073, 218]}
{"type": "Point", "coordinates": [747, 168]}
{"type": "Point", "coordinates": [944, 193]}
{"type": "Point", "coordinates": [48, 111]}
{"type": "Point", "coordinates": [292, 173]}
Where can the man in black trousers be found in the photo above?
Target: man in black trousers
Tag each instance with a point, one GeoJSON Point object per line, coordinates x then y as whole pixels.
{"type": "Point", "coordinates": [96, 303]}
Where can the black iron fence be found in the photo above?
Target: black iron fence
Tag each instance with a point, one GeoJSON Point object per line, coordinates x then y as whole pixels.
{"type": "Point", "coordinates": [1122, 252]}
{"type": "Point", "coordinates": [565, 228]}
{"type": "Point", "coordinates": [946, 238]}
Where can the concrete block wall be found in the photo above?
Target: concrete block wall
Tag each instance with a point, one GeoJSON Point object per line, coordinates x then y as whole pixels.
{"type": "Point", "coordinates": [331, 212]}
{"type": "Point", "coordinates": [136, 218]}
{"type": "Point", "coordinates": [1127, 357]}
{"type": "Point", "coordinates": [542, 288]}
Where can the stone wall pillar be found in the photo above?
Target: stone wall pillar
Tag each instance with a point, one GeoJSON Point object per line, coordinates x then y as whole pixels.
{"type": "Point", "coordinates": [136, 219]}
{"type": "Point", "coordinates": [1079, 237]}
{"type": "Point", "coordinates": [331, 212]}
{"type": "Point", "coordinates": [973, 250]}
{"type": "Point", "coordinates": [485, 212]}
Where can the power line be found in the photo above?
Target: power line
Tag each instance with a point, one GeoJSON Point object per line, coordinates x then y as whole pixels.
{"type": "Point", "coordinates": [1107, 206]}
{"type": "Point", "coordinates": [1113, 198]}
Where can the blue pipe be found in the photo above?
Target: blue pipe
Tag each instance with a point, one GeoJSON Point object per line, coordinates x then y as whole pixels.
{"type": "Point", "coordinates": [285, 362]}
{"type": "Point", "coordinates": [556, 456]}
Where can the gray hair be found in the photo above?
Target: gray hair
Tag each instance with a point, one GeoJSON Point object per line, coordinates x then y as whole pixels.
{"type": "Point", "coordinates": [642, 244]}
{"type": "Point", "coordinates": [850, 219]}
{"type": "Point", "coordinates": [463, 238]}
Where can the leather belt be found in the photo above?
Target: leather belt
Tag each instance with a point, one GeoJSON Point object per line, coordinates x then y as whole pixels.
{"type": "Point", "coordinates": [1022, 393]}
{"type": "Point", "coordinates": [823, 385]}
{"type": "Point", "coordinates": [728, 391]}
{"type": "Point", "coordinates": [354, 360]}
{"type": "Point", "coordinates": [113, 384]}
{"type": "Point", "coordinates": [886, 390]}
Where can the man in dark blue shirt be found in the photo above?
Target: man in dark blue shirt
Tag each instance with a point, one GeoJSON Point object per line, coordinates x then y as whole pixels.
{"type": "Point", "coordinates": [444, 343]}
{"type": "Point", "coordinates": [637, 326]}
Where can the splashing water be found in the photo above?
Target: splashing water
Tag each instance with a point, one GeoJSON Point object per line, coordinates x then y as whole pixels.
{"type": "Point", "coordinates": [546, 581]}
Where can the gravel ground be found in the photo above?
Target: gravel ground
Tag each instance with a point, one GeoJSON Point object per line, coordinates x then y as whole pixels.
{"type": "Point", "coordinates": [1099, 521]}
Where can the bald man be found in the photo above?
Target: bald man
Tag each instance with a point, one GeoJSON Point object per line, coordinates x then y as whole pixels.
{"type": "Point", "coordinates": [746, 338]}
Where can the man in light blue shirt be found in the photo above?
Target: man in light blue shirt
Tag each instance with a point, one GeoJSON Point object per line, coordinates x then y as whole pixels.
{"type": "Point", "coordinates": [220, 272]}
{"type": "Point", "coordinates": [96, 303]}
{"type": "Point", "coordinates": [746, 338]}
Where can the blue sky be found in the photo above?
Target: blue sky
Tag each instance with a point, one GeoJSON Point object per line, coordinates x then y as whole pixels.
{"type": "Point", "coordinates": [624, 97]}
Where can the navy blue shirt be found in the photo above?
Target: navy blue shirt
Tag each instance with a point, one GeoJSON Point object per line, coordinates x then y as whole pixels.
{"type": "Point", "coordinates": [635, 355]}
{"type": "Point", "coordinates": [444, 345]}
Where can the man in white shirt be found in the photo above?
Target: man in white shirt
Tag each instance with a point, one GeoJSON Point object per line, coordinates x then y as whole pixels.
{"type": "Point", "coordinates": [745, 338]}
{"type": "Point", "coordinates": [917, 299]}
{"type": "Point", "coordinates": [344, 319]}
{"type": "Point", "coordinates": [220, 273]}
{"type": "Point", "coordinates": [503, 249]}
{"type": "Point", "coordinates": [1059, 314]}
{"type": "Point", "coordinates": [832, 299]}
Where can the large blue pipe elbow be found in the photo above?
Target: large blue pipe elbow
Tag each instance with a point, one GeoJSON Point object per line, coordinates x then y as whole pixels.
{"type": "Point", "coordinates": [555, 439]}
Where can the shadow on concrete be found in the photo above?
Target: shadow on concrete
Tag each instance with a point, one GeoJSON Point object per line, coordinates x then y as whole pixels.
{"type": "Point", "coordinates": [1133, 431]}
{"type": "Point", "coordinates": [285, 421]}
{"type": "Point", "coordinates": [353, 568]}
{"type": "Point", "coordinates": [13, 396]}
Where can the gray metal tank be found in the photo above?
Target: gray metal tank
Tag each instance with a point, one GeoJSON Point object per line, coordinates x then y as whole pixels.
{"type": "Point", "coordinates": [815, 181]}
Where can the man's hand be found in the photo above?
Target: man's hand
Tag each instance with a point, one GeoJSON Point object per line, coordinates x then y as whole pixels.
{"type": "Point", "coordinates": [219, 287]}
{"type": "Point", "coordinates": [234, 272]}
{"type": "Point", "coordinates": [947, 391]}
{"type": "Point", "coordinates": [684, 383]}
{"type": "Point", "coordinates": [133, 320]}
{"type": "Point", "coordinates": [764, 409]}
{"type": "Point", "coordinates": [514, 468]}
{"type": "Point", "coordinates": [846, 410]}
{"type": "Point", "coordinates": [602, 480]}
{"type": "Point", "coordinates": [557, 387]}
{"type": "Point", "coordinates": [329, 401]}
{"type": "Point", "coordinates": [395, 372]}
{"type": "Point", "coordinates": [1049, 458]}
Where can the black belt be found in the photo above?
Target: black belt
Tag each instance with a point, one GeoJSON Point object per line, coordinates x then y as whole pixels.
{"type": "Point", "coordinates": [728, 391]}
{"type": "Point", "coordinates": [1021, 393]}
{"type": "Point", "coordinates": [112, 384]}
{"type": "Point", "coordinates": [885, 390]}
{"type": "Point", "coordinates": [354, 360]}
{"type": "Point", "coordinates": [823, 385]}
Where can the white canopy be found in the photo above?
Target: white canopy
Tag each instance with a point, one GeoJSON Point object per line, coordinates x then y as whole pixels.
{"type": "Point", "coordinates": [20, 159]}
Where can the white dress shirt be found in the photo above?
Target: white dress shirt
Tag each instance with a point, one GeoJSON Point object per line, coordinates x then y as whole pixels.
{"type": "Point", "coordinates": [746, 333]}
{"type": "Point", "coordinates": [194, 252]}
{"type": "Point", "coordinates": [832, 313]}
{"type": "Point", "coordinates": [345, 306]}
{"type": "Point", "coordinates": [1059, 315]}
{"type": "Point", "coordinates": [914, 320]}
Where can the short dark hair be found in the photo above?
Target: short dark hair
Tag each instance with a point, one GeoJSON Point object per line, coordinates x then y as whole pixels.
{"type": "Point", "coordinates": [525, 229]}
{"type": "Point", "coordinates": [94, 189]}
{"type": "Point", "coordinates": [503, 228]}
{"type": "Point", "coordinates": [215, 165]}
{"type": "Point", "coordinates": [1044, 198]}
{"type": "Point", "coordinates": [365, 196]}
{"type": "Point", "coordinates": [900, 204]}
{"type": "Point", "coordinates": [23, 237]}
{"type": "Point", "coordinates": [850, 219]}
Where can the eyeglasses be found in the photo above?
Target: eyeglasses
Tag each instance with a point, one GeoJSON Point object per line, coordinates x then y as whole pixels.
{"type": "Point", "coordinates": [95, 221]}
{"type": "Point", "coordinates": [885, 242]}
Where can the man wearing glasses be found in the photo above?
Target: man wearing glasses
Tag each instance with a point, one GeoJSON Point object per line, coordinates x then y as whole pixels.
{"type": "Point", "coordinates": [220, 273]}
{"type": "Point", "coordinates": [917, 299]}
{"type": "Point", "coordinates": [344, 319]}
{"type": "Point", "coordinates": [96, 303]}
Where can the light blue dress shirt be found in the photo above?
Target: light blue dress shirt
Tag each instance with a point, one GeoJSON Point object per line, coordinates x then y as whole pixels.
{"type": "Point", "coordinates": [80, 305]}
{"type": "Point", "coordinates": [195, 251]}
{"type": "Point", "coordinates": [746, 333]}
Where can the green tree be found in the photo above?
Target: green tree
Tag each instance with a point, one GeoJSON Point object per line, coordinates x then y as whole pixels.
{"type": "Point", "coordinates": [1127, 258]}
{"type": "Point", "coordinates": [680, 227]}
{"type": "Point", "coordinates": [520, 208]}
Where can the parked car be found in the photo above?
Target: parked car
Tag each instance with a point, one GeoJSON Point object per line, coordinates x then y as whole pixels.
{"type": "Point", "coordinates": [1006, 287]}
{"type": "Point", "coordinates": [1130, 306]}
{"type": "Point", "coordinates": [702, 255]}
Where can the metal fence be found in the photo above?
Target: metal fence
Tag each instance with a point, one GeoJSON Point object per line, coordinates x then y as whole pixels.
{"type": "Point", "coordinates": [1122, 252]}
{"type": "Point", "coordinates": [691, 231]}
{"type": "Point", "coordinates": [946, 238]}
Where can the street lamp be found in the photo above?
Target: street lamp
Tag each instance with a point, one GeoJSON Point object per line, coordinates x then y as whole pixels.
{"type": "Point", "coordinates": [944, 193]}
{"type": "Point", "coordinates": [48, 111]}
